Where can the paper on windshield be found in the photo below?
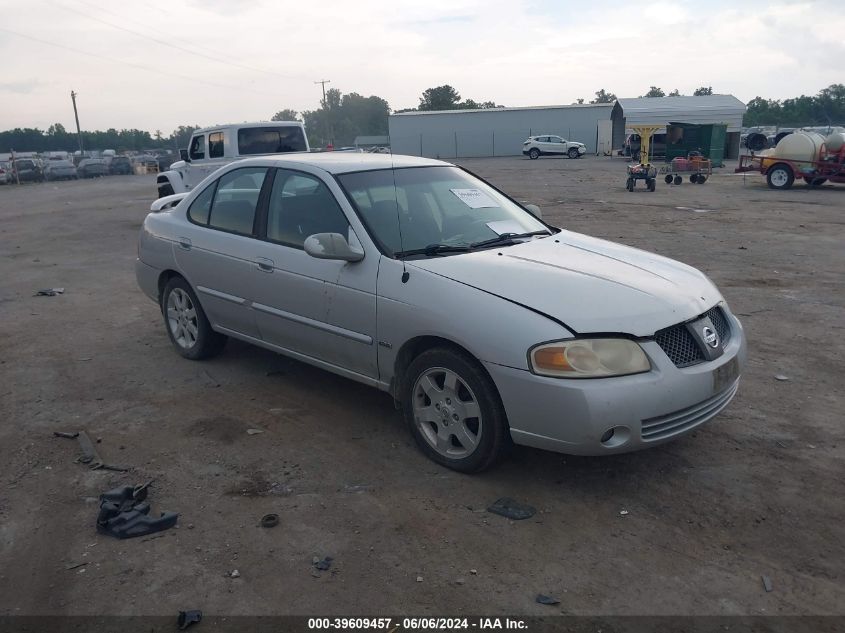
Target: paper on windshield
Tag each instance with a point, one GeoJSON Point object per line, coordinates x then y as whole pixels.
{"type": "Point", "coordinates": [506, 226]}
{"type": "Point", "coordinates": [474, 198]}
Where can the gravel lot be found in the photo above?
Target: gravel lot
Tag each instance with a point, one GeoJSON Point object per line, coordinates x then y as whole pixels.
{"type": "Point", "coordinates": [756, 492]}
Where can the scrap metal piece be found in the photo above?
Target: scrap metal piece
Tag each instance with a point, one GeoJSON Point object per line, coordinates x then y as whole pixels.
{"type": "Point", "coordinates": [187, 618]}
{"type": "Point", "coordinates": [70, 436]}
{"type": "Point", "coordinates": [125, 514]}
{"type": "Point", "coordinates": [89, 453]}
{"type": "Point", "coordinates": [511, 509]}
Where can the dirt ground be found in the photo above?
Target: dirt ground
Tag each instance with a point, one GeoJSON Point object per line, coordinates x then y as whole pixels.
{"type": "Point", "coordinates": [756, 492]}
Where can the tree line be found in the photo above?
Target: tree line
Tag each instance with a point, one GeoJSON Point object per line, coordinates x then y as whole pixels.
{"type": "Point", "coordinates": [342, 117]}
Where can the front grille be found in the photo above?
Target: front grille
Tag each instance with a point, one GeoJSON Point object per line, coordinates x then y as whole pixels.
{"type": "Point", "coordinates": [680, 346]}
{"type": "Point", "coordinates": [717, 317]}
{"type": "Point", "coordinates": [664, 426]}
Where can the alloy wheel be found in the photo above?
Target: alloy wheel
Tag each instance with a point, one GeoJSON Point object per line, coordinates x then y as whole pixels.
{"type": "Point", "coordinates": [447, 413]}
{"type": "Point", "coordinates": [182, 318]}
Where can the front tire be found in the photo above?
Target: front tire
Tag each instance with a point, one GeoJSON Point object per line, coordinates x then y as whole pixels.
{"type": "Point", "coordinates": [780, 177]}
{"type": "Point", "coordinates": [165, 190]}
{"type": "Point", "coordinates": [454, 411]}
{"type": "Point", "coordinates": [629, 184]}
{"type": "Point", "coordinates": [186, 324]}
{"type": "Point", "coordinates": [573, 153]}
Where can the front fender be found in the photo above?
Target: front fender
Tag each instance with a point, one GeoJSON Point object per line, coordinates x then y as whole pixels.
{"type": "Point", "coordinates": [174, 179]}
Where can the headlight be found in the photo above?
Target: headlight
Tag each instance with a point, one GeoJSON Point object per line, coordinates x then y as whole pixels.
{"type": "Point", "coordinates": [588, 358]}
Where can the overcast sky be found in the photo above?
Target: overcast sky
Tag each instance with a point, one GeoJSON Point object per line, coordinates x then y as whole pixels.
{"type": "Point", "coordinates": [157, 64]}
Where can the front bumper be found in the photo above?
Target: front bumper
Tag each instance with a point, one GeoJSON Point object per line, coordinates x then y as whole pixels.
{"type": "Point", "coordinates": [582, 150]}
{"type": "Point", "coordinates": [571, 416]}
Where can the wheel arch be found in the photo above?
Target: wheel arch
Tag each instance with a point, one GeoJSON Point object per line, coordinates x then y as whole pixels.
{"type": "Point", "coordinates": [416, 346]}
{"type": "Point", "coordinates": [164, 277]}
{"type": "Point", "coordinates": [172, 178]}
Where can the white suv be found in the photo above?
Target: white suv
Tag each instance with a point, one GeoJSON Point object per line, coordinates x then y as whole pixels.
{"type": "Point", "coordinates": [537, 146]}
{"type": "Point", "coordinates": [211, 148]}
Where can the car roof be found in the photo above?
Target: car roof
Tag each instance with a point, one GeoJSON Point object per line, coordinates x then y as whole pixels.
{"type": "Point", "coordinates": [213, 128]}
{"type": "Point", "coordinates": [344, 162]}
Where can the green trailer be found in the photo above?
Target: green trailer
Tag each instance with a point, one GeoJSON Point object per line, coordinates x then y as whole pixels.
{"type": "Point", "coordinates": [708, 140]}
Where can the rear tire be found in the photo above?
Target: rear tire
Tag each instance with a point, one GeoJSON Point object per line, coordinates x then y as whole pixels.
{"type": "Point", "coordinates": [454, 411]}
{"type": "Point", "coordinates": [815, 182]}
{"type": "Point", "coordinates": [186, 324]}
{"type": "Point", "coordinates": [668, 179]}
{"type": "Point", "coordinates": [629, 184]}
{"type": "Point", "coordinates": [534, 153]}
{"type": "Point", "coordinates": [701, 179]}
{"type": "Point", "coordinates": [573, 153]}
{"type": "Point", "coordinates": [651, 183]}
{"type": "Point", "coordinates": [780, 176]}
{"type": "Point", "coordinates": [693, 178]}
{"type": "Point", "coordinates": [678, 180]}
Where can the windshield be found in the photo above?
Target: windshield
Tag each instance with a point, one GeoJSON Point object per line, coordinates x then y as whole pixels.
{"type": "Point", "coordinates": [432, 205]}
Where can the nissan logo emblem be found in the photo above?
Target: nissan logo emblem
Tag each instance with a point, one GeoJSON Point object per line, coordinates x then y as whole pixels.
{"type": "Point", "coordinates": [710, 337]}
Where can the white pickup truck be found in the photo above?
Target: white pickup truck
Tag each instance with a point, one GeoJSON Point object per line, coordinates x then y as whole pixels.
{"type": "Point", "coordinates": [212, 147]}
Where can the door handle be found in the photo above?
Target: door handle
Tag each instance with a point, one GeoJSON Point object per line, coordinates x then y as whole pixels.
{"type": "Point", "coordinates": [264, 264]}
{"type": "Point", "coordinates": [184, 243]}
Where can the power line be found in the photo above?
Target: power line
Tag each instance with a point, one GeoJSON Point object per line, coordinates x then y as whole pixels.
{"type": "Point", "coordinates": [213, 58]}
{"type": "Point", "coordinates": [147, 25]}
{"type": "Point", "coordinates": [128, 63]}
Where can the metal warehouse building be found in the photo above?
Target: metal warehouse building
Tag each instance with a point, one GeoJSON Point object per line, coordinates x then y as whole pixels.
{"type": "Point", "coordinates": [601, 127]}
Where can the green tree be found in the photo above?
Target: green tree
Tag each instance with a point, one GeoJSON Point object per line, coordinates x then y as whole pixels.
{"type": "Point", "coordinates": [674, 93]}
{"type": "Point", "coordinates": [440, 98]}
{"type": "Point", "coordinates": [704, 91]}
{"type": "Point", "coordinates": [602, 96]}
{"type": "Point", "coordinates": [343, 117]}
{"type": "Point", "coordinates": [578, 101]}
{"type": "Point", "coordinates": [654, 91]}
{"type": "Point", "coordinates": [285, 115]}
{"type": "Point", "coordinates": [180, 137]}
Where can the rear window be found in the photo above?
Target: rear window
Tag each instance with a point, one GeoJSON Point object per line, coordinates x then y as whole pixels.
{"type": "Point", "coordinates": [24, 164]}
{"type": "Point", "coordinates": [271, 140]}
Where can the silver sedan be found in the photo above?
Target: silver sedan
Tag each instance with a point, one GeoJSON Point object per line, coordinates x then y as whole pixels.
{"type": "Point", "coordinates": [488, 325]}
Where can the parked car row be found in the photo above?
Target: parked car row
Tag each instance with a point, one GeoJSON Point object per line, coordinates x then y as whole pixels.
{"type": "Point", "coordinates": [41, 170]}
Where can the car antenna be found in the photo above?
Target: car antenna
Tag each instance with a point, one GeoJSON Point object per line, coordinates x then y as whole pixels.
{"type": "Point", "coordinates": [405, 274]}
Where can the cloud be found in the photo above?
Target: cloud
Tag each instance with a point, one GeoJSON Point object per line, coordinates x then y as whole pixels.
{"type": "Point", "coordinates": [20, 87]}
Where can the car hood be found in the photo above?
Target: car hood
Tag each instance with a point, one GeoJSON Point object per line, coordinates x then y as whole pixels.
{"type": "Point", "coordinates": [589, 284]}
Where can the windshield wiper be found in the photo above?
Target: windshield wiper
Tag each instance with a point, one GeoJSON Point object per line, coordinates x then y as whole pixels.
{"type": "Point", "coordinates": [433, 249]}
{"type": "Point", "coordinates": [506, 238]}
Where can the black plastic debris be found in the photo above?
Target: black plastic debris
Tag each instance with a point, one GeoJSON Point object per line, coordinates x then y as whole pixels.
{"type": "Point", "coordinates": [49, 292]}
{"type": "Point", "coordinates": [323, 564]}
{"type": "Point", "coordinates": [541, 599]}
{"type": "Point", "coordinates": [511, 509]}
{"type": "Point", "coordinates": [269, 520]}
{"type": "Point", "coordinates": [187, 618]}
{"type": "Point", "coordinates": [124, 513]}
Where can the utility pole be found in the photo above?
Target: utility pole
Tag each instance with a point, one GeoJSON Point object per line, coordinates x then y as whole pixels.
{"type": "Point", "coordinates": [323, 83]}
{"type": "Point", "coordinates": [76, 116]}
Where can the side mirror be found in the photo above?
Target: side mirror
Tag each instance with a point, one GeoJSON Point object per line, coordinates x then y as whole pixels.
{"type": "Point", "coordinates": [332, 246]}
{"type": "Point", "coordinates": [535, 211]}
{"type": "Point", "coordinates": [183, 155]}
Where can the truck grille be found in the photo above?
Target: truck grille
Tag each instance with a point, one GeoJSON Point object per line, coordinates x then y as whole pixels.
{"type": "Point", "coordinates": [681, 347]}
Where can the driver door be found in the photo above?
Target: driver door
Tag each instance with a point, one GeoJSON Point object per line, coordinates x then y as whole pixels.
{"type": "Point", "coordinates": [320, 308]}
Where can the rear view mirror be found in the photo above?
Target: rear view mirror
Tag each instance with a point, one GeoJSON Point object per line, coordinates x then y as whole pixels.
{"type": "Point", "coordinates": [183, 155]}
{"type": "Point", "coordinates": [332, 246]}
{"type": "Point", "coordinates": [535, 211]}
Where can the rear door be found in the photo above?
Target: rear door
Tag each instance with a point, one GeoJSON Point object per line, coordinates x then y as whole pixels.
{"type": "Point", "coordinates": [216, 252]}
